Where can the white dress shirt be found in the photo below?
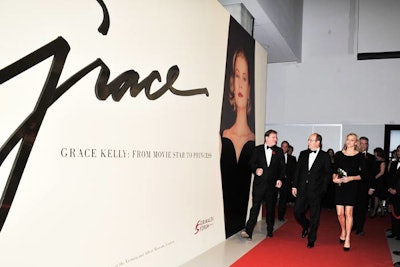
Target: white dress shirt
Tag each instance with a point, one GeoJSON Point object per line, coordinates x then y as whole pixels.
{"type": "Point", "coordinates": [268, 154]}
{"type": "Point", "coordinates": [311, 158]}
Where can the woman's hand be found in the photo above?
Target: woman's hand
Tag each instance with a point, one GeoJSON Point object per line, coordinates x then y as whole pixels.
{"type": "Point", "coordinates": [347, 179]}
{"type": "Point", "coordinates": [336, 179]}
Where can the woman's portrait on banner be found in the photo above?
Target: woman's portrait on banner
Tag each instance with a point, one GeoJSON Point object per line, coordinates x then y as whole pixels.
{"type": "Point", "coordinates": [237, 127]}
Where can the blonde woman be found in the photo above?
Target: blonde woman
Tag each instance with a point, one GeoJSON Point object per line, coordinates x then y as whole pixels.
{"type": "Point", "coordinates": [349, 166]}
{"type": "Point", "coordinates": [238, 142]}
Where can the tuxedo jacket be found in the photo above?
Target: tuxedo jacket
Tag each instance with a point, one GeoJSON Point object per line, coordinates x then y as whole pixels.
{"type": "Point", "coordinates": [394, 178]}
{"type": "Point", "coordinates": [290, 168]}
{"type": "Point", "coordinates": [275, 171]}
{"type": "Point", "coordinates": [313, 182]}
{"type": "Point", "coordinates": [369, 179]}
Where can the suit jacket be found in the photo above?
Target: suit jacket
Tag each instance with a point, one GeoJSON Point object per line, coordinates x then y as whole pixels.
{"type": "Point", "coordinates": [313, 182]}
{"type": "Point", "coordinates": [394, 178]}
{"type": "Point", "coordinates": [369, 173]}
{"type": "Point", "coordinates": [290, 169]}
{"type": "Point", "coordinates": [275, 171]}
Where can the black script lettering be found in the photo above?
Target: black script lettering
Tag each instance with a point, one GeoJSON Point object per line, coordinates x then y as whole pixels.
{"type": "Point", "coordinates": [29, 128]}
{"type": "Point", "coordinates": [105, 24]}
{"type": "Point", "coordinates": [130, 80]}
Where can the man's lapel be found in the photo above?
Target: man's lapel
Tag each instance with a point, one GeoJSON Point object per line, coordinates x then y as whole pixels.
{"type": "Point", "coordinates": [316, 159]}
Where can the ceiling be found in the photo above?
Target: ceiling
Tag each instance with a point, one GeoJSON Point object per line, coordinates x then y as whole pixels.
{"type": "Point", "coordinates": [277, 26]}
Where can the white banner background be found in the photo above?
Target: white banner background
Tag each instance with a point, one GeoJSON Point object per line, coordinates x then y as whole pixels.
{"type": "Point", "coordinates": [116, 209]}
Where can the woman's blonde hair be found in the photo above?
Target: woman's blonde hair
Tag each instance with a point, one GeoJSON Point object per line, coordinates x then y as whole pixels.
{"type": "Point", "coordinates": [356, 145]}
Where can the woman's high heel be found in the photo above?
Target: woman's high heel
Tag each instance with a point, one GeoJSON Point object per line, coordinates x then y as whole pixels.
{"type": "Point", "coordinates": [341, 241]}
{"type": "Point", "coordinates": [346, 248]}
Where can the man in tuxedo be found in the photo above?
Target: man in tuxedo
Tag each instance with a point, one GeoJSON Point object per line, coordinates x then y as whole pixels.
{"type": "Point", "coordinates": [290, 150]}
{"type": "Point", "coordinates": [365, 188]}
{"type": "Point", "coordinates": [311, 179]}
{"type": "Point", "coordinates": [394, 196]}
{"type": "Point", "coordinates": [285, 191]}
{"type": "Point", "coordinates": [268, 165]}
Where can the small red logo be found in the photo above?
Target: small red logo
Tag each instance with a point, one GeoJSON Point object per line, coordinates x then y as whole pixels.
{"type": "Point", "coordinates": [203, 224]}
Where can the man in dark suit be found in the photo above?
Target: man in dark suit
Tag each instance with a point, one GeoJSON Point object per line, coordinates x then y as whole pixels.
{"type": "Point", "coordinates": [394, 196]}
{"type": "Point", "coordinates": [268, 165]}
{"type": "Point", "coordinates": [285, 195]}
{"type": "Point", "coordinates": [309, 186]}
{"type": "Point", "coordinates": [365, 188]}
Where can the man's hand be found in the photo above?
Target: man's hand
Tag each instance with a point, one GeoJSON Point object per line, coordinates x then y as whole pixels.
{"type": "Point", "coordinates": [392, 191]}
{"type": "Point", "coordinates": [371, 191]}
{"type": "Point", "coordinates": [259, 171]}
{"type": "Point", "coordinates": [278, 184]}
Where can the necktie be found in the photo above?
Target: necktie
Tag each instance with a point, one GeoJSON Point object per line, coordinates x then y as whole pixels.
{"type": "Point", "coordinates": [269, 147]}
{"type": "Point", "coordinates": [312, 151]}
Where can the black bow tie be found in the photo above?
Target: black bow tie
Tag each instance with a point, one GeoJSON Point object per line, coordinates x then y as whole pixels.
{"type": "Point", "coordinates": [269, 147]}
{"type": "Point", "coordinates": [312, 151]}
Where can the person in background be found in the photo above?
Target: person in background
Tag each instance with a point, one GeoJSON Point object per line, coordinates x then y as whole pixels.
{"type": "Point", "coordinates": [311, 178]}
{"type": "Point", "coordinates": [285, 191]}
{"type": "Point", "coordinates": [328, 201]}
{"type": "Point", "coordinates": [380, 193]}
{"type": "Point", "coordinates": [350, 167]}
{"type": "Point", "coordinates": [331, 154]}
{"type": "Point", "coordinates": [290, 150]}
{"type": "Point", "coordinates": [268, 165]}
{"type": "Point", "coordinates": [365, 189]}
{"type": "Point", "coordinates": [393, 159]}
{"type": "Point", "coordinates": [394, 196]}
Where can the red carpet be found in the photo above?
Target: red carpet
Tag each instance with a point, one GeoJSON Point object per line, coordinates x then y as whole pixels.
{"type": "Point", "coordinates": [287, 248]}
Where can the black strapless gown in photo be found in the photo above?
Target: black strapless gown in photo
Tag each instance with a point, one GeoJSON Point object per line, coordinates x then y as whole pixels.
{"type": "Point", "coordinates": [236, 179]}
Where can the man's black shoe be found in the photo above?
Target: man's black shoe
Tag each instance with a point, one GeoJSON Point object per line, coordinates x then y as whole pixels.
{"type": "Point", "coordinates": [310, 244]}
{"type": "Point", "coordinates": [391, 236]}
{"type": "Point", "coordinates": [304, 233]}
{"type": "Point", "coordinates": [360, 233]}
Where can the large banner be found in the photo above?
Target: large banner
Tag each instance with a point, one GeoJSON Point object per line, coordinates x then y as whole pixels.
{"type": "Point", "coordinates": [237, 127]}
{"type": "Point", "coordinates": [110, 113]}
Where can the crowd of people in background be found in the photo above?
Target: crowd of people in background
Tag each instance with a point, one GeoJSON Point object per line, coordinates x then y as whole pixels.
{"type": "Point", "coordinates": [353, 181]}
